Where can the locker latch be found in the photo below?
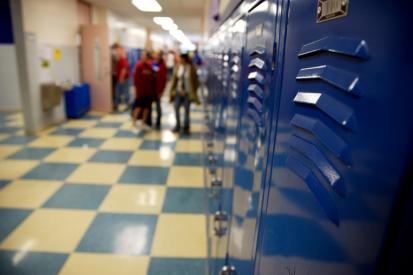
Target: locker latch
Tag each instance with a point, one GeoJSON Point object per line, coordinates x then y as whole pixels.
{"type": "Point", "coordinates": [220, 223]}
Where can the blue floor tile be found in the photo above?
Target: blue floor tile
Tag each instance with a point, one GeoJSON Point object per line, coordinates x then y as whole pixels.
{"type": "Point", "coordinates": [51, 171]}
{"type": "Point", "coordinates": [172, 266]}
{"type": "Point", "coordinates": [9, 130]}
{"type": "Point", "coordinates": [3, 183]}
{"type": "Point", "coordinates": [126, 234]}
{"type": "Point", "coordinates": [221, 198]}
{"type": "Point", "coordinates": [89, 142]}
{"type": "Point", "coordinates": [145, 175]}
{"type": "Point", "coordinates": [67, 132]}
{"type": "Point", "coordinates": [188, 159]}
{"type": "Point", "coordinates": [91, 117]}
{"type": "Point", "coordinates": [17, 140]}
{"type": "Point", "coordinates": [32, 153]}
{"type": "Point", "coordinates": [154, 145]}
{"type": "Point", "coordinates": [10, 218]}
{"type": "Point", "coordinates": [184, 200]}
{"type": "Point", "coordinates": [108, 125]}
{"type": "Point", "coordinates": [33, 263]}
{"type": "Point", "coordinates": [129, 134]}
{"type": "Point", "coordinates": [111, 156]}
{"type": "Point", "coordinates": [78, 196]}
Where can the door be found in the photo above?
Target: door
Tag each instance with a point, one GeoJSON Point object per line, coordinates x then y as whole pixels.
{"type": "Point", "coordinates": [96, 66]}
{"type": "Point", "coordinates": [343, 138]}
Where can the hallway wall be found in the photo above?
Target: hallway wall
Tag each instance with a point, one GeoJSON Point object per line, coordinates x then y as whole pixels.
{"type": "Point", "coordinates": [54, 21]}
{"type": "Point", "coordinates": [9, 82]}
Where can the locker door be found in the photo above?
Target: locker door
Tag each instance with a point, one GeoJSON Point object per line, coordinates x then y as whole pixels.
{"type": "Point", "coordinates": [217, 205]}
{"type": "Point", "coordinates": [220, 193]}
{"type": "Point", "coordinates": [251, 159]}
{"type": "Point", "coordinates": [344, 135]}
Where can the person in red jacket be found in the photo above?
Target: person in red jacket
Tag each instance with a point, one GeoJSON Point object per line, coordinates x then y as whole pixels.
{"type": "Point", "coordinates": [159, 67]}
{"type": "Point", "coordinates": [144, 80]}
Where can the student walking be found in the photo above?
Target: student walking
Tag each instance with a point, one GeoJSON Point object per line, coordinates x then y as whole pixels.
{"type": "Point", "coordinates": [122, 76]}
{"type": "Point", "coordinates": [184, 91]}
{"type": "Point", "coordinates": [159, 67]}
{"type": "Point", "coordinates": [144, 80]}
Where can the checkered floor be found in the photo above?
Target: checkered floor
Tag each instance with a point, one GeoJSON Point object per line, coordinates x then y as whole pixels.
{"type": "Point", "coordinates": [90, 197]}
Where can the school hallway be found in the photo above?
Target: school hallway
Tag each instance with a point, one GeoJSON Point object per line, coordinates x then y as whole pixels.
{"type": "Point", "coordinates": [91, 197]}
{"type": "Point", "coordinates": [298, 159]}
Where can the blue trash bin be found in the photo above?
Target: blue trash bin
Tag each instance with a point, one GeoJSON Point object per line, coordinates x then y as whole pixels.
{"type": "Point", "coordinates": [77, 100]}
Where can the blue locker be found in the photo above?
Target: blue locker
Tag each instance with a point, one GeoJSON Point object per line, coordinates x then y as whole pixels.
{"type": "Point", "coordinates": [247, 116]}
{"type": "Point", "coordinates": [226, 139]}
{"type": "Point", "coordinates": [316, 136]}
{"type": "Point", "coordinates": [343, 137]}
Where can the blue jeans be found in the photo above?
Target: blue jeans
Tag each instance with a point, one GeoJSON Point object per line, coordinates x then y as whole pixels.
{"type": "Point", "coordinates": [180, 101]}
{"type": "Point", "coordinates": [122, 90]}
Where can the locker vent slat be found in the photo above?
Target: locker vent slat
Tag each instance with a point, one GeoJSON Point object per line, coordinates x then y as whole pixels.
{"type": "Point", "coordinates": [336, 110]}
{"type": "Point", "coordinates": [325, 135]}
{"type": "Point", "coordinates": [338, 45]}
{"type": "Point", "coordinates": [339, 78]}
{"type": "Point", "coordinates": [302, 148]}
{"type": "Point", "coordinates": [319, 191]}
{"type": "Point", "coordinates": [311, 152]}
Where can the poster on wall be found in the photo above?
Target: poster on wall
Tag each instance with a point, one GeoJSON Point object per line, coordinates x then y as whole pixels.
{"type": "Point", "coordinates": [57, 54]}
{"type": "Point", "coordinates": [45, 55]}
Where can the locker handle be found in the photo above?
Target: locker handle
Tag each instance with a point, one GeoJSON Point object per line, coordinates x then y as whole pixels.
{"type": "Point", "coordinates": [336, 110]}
{"type": "Point", "coordinates": [220, 223]}
{"type": "Point", "coordinates": [317, 189]}
{"type": "Point", "coordinates": [339, 78]}
{"type": "Point", "coordinates": [339, 45]}
{"type": "Point", "coordinates": [216, 183]}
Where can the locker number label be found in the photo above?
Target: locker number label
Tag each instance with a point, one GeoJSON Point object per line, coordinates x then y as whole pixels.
{"type": "Point", "coordinates": [331, 9]}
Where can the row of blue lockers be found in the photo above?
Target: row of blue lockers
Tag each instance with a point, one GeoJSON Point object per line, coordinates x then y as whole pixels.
{"type": "Point", "coordinates": [309, 142]}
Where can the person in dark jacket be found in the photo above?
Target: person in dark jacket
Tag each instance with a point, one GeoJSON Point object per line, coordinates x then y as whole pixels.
{"type": "Point", "coordinates": [122, 75]}
{"type": "Point", "coordinates": [144, 80]}
{"type": "Point", "coordinates": [184, 90]}
{"type": "Point", "coordinates": [159, 67]}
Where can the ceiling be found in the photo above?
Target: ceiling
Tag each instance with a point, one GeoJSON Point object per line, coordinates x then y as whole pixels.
{"type": "Point", "coordinates": [187, 14]}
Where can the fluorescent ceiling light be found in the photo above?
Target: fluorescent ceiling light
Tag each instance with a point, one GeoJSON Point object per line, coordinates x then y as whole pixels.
{"type": "Point", "coordinates": [182, 38]}
{"type": "Point", "coordinates": [178, 35]}
{"type": "Point", "coordinates": [147, 5]}
{"type": "Point", "coordinates": [169, 27]}
{"type": "Point", "coordinates": [188, 46]}
{"type": "Point", "coordinates": [162, 20]}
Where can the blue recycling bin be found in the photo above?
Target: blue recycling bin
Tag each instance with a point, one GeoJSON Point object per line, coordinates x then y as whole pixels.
{"type": "Point", "coordinates": [77, 100]}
